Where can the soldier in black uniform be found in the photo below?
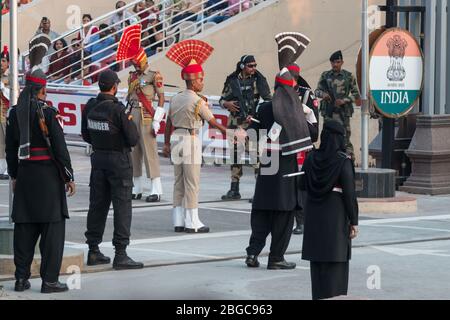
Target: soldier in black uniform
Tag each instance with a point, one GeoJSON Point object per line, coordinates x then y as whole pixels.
{"type": "Point", "coordinates": [108, 126]}
{"type": "Point", "coordinates": [40, 168]}
{"type": "Point", "coordinates": [311, 108]}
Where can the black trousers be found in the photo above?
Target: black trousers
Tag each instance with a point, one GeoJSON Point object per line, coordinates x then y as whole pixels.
{"type": "Point", "coordinates": [110, 186]}
{"type": "Point", "coordinates": [299, 217]}
{"type": "Point", "coordinates": [51, 246]}
{"type": "Point", "coordinates": [329, 279]}
{"type": "Point", "coordinates": [277, 223]}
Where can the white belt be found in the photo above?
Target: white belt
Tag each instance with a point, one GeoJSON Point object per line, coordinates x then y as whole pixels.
{"type": "Point", "coordinates": [337, 190]}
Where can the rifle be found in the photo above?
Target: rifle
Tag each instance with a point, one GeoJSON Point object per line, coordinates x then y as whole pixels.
{"type": "Point", "coordinates": [46, 136]}
{"type": "Point", "coordinates": [244, 108]}
{"type": "Point", "coordinates": [331, 106]}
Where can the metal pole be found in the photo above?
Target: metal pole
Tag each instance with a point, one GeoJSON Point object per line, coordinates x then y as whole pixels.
{"type": "Point", "coordinates": [441, 58]}
{"type": "Point", "coordinates": [364, 98]}
{"type": "Point", "coordinates": [430, 58]}
{"type": "Point", "coordinates": [14, 76]}
{"type": "Point", "coordinates": [389, 124]}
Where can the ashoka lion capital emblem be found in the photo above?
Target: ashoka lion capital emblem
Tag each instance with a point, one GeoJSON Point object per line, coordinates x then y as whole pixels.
{"type": "Point", "coordinates": [397, 47]}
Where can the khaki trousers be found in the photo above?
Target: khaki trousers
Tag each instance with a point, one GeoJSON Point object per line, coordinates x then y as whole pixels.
{"type": "Point", "coordinates": [146, 150]}
{"type": "Point", "coordinates": [186, 155]}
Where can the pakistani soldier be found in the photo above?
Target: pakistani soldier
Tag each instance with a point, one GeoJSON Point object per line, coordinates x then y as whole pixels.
{"type": "Point", "coordinates": [310, 108]}
{"type": "Point", "coordinates": [143, 85]}
{"type": "Point", "coordinates": [107, 125]}
{"type": "Point", "coordinates": [41, 172]}
{"type": "Point", "coordinates": [187, 112]}
{"type": "Point", "coordinates": [241, 94]}
{"type": "Point", "coordinates": [339, 92]}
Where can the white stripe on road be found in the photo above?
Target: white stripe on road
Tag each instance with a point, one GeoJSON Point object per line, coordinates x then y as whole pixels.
{"type": "Point", "coordinates": [226, 210]}
{"type": "Point", "coordinates": [173, 239]}
{"type": "Point", "coordinates": [177, 253]}
{"type": "Point", "coordinates": [411, 227]}
{"type": "Point", "coordinates": [421, 218]}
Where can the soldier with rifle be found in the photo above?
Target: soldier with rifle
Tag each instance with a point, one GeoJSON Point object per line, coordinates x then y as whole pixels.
{"type": "Point", "coordinates": [337, 87]}
{"type": "Point", "coordinates": [242, 92]}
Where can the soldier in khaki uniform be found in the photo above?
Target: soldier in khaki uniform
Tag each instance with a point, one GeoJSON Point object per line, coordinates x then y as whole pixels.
{"type": "Point", "coordinates": [143, 85]}
{"type": "Point", "coordinates": [337, 87]}
{"type": "Point", "coordinates": [188, 110]}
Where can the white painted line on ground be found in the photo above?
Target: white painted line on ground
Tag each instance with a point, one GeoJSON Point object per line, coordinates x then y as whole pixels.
{"type": "Point", "coordinates": [174, 239]}
{"type": "Point", "coordinates": [226, 210]}
{"type": "Point", "coordinates": [4, 205]}
{"type": "Point", "coordinates": [176, 253]}
{"type": "Point", "coordinates": [410, 227]}
{"type": "Point", "coordinates": [421, 218]}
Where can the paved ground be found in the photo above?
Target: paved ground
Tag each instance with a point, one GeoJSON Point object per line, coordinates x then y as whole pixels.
{"type": "Point", "coordinates": [396, 256]}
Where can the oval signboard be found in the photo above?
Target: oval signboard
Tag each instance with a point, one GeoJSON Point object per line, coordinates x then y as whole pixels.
{"type": "Point", "coordinates": [395, 73]}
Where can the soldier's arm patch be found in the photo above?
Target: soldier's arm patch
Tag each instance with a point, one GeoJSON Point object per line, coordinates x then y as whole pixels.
{"type": "Point", "coordinates": [159, 80]}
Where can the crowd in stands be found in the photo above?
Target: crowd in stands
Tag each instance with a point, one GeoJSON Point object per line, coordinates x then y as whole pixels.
{"type": "Point", "coordinates": [93, 48]}
{"type": "Point", "coordinates": [5, 4]}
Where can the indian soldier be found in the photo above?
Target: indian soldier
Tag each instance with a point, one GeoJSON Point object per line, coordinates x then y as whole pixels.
{"type": "Point", "coordinates": [276, 195]}
{"type": "Point", "coordinates": [41, 172]}
{"type": "Point", "coordinates": [188, 110]}
{"type": "Point", "coordinates": [310, 108]}
{"type": "Point", "coordinates": [331, 213]}
{"type": "Point", "coordinates": [339, 92]}
{"type": "Point", "coordinates": [108, 127]}
{"type": "Point", "coordinates": [143, 85]}
{"type": "Point", "coordinates": [241, 94]}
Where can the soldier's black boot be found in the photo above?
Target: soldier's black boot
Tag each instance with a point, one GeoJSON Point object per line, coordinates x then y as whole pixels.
{"type": "Point", "coordinates": [153, 198]}
{"type": "Point", "coordinates": [233, 194]}
{"type": "Point", "coordinates": [22, 285]}
{"type": "Point", "coordinates": [53, 287]}
{"type": "Point", "coordinates": [123, 262]}
{"type": "Point", "coordinates": [95, 257]}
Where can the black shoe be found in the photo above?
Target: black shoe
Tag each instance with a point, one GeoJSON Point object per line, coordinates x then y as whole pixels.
{"type": "Point", "coordinates": [124, 262]}
{"type": "Point", "coordinates": [252, 261]}
{"type": "Point", "coordinates": [180, 229]}
{"type": "Point", "coordinates": [153, 198]}
{"type": "Point", "coordinates": [22, 285]}
{"type": "Point", "coordinates": [250, 200]}
{"type": "Point", "coordinates": [233, 194]}
{"type": "Point", "coordinates": [53, 287]}
{"type": "Point", "coordinates": [4, 177]}
{"type": "Point", "coordinates": [282, 265]}
{"type": "Point", "coordinates": [203, 229]}
{"type": "Point", "coordinates": [96, 258]}
{"type": "Point", "coordinates": [298, 230]}
{"type": "Point", "coordinates": [136, 197]}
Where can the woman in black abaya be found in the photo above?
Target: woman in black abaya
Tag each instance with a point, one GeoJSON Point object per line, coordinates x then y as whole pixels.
{"type": "Point", "coordinates": [331, 213]}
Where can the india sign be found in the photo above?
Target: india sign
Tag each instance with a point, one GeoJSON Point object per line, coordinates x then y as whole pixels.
{"type": "Point", "coordinates": [395, 73]}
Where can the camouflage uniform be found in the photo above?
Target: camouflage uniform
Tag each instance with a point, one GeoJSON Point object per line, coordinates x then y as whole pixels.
{"type": "Point", "coordinates": [343, 86]}
{"type": "Point", "coordinates": [248, 85]}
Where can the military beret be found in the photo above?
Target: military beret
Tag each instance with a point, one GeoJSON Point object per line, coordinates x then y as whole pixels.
{"type": "Point", "coordinates": [336, 56]}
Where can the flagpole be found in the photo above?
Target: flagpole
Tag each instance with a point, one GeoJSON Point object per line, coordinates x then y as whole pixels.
{"type": "Point", "coordinates": [14, 77]}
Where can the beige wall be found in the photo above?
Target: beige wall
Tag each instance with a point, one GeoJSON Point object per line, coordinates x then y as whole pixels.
{"type": "Point", "coordinates": [30, 16]}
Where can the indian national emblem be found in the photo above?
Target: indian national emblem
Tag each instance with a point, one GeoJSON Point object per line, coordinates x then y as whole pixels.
{"type": "Point", "coordinates": [397, 47]}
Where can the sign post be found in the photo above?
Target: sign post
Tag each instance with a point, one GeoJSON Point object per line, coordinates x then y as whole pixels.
{"type": "Point", "coordinates": [396, 73]}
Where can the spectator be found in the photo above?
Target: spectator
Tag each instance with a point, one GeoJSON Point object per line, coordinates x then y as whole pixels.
{"type": "Point", "coordinates": [5, 66]}
{"type": "Point", "coordinates": [45, 27]}
{"type": "Point", "coordinates": [154, 43]}
{"type": "Point", "coordinates": [190, 11]}
{"type": "Point", "coordinates": [59, 61]}
{"type": "Point", "coordinates": [214, 7]}
{"type": "Point", "coordinates": [122, 18]}
{"type": "Point", "coordinates": [235, 6]}
{"type": "Point", "coordinates": [140, 10]}
{"type": "Point", "coordinates": [88, 30]}
{"type": "Point", "coordinates": [103, 45]}
{"type": "Point", "coordinates": [74, 61]}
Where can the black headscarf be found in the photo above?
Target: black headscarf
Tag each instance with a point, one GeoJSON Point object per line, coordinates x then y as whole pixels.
{"type": "Point", "coordinates": [323, 166]}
